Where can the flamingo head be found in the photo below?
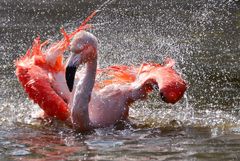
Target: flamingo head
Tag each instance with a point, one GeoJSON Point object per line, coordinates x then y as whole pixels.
{"type": "Point", "coordinates": [83, 49]}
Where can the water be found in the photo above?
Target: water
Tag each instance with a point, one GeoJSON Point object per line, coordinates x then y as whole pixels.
{"type": "Point", "coordinates": [202, 36]}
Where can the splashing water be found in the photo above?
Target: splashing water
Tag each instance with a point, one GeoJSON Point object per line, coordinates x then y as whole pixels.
{"type": "Point", "coordinates": [203, 38]}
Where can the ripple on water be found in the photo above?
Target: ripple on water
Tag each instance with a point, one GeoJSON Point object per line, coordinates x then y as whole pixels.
{"type": "Point", "coordinates": [19, 152]}
{"type": "Point", "coordinates": [106, 144]}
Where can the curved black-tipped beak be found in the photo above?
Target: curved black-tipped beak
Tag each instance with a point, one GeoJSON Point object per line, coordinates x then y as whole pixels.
{"type": "Point", "coordinates": [71, 68]}
{"type": "Point", "coordinates": [70, 75]}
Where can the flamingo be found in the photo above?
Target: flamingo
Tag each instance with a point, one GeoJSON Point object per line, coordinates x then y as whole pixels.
{"type": "Point", "coordinates": [93, 107]}
{"type": "Point", "coordinates": [82, 100]}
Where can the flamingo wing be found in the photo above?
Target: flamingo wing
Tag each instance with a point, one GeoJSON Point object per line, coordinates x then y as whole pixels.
{"type": "Point", "coordinates": [171, 85]}
{"type": "Point", "coordinates": [122, 74]}
{"type": "Point", "coordinates": [117, 74]}
{"type": "Point", "coordinates": [36, 84]}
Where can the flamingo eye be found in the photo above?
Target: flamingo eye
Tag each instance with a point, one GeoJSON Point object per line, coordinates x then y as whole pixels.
{"type": "Point", "coordinates": [79, 50]}
{"type": "Point", "coordinates": [77, 47]}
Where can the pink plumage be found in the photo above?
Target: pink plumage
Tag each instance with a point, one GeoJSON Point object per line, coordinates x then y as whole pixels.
{"type": "Point", "coordinates": [48, 81]}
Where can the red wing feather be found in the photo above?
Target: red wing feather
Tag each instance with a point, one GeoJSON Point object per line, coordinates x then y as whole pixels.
{"type": "Point", "coordinates": [119, 74]}
{"type": "Point", "coordinates": [122, 74]}
{"type": "Point", "coordinates": [36, 84]}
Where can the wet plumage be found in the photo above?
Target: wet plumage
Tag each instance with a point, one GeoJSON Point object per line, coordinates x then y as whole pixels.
{"type": "Point", "coordinates": [87, 102]}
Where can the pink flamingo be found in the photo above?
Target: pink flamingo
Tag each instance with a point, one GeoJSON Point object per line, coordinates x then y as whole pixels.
{"type": "Point", "coordinates": [91, 103]}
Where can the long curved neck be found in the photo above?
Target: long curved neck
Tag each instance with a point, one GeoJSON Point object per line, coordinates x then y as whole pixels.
{"type": "Point", "coordinates": [82, 96]}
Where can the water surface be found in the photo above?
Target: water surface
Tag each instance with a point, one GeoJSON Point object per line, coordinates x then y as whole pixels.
{"type": "Point", "coordinates": [202, 36]}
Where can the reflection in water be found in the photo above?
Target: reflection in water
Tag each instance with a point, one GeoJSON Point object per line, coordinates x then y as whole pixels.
{"type": "Point", "coordinates": [203, 37]}
{"type": "Point", "coordinates": [109, 144]}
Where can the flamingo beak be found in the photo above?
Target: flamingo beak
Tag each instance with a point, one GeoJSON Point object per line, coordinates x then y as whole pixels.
{"type": "Point", "coordinates": [71, 68]}
{"type": "Point", "coordinates": [70, 75]}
